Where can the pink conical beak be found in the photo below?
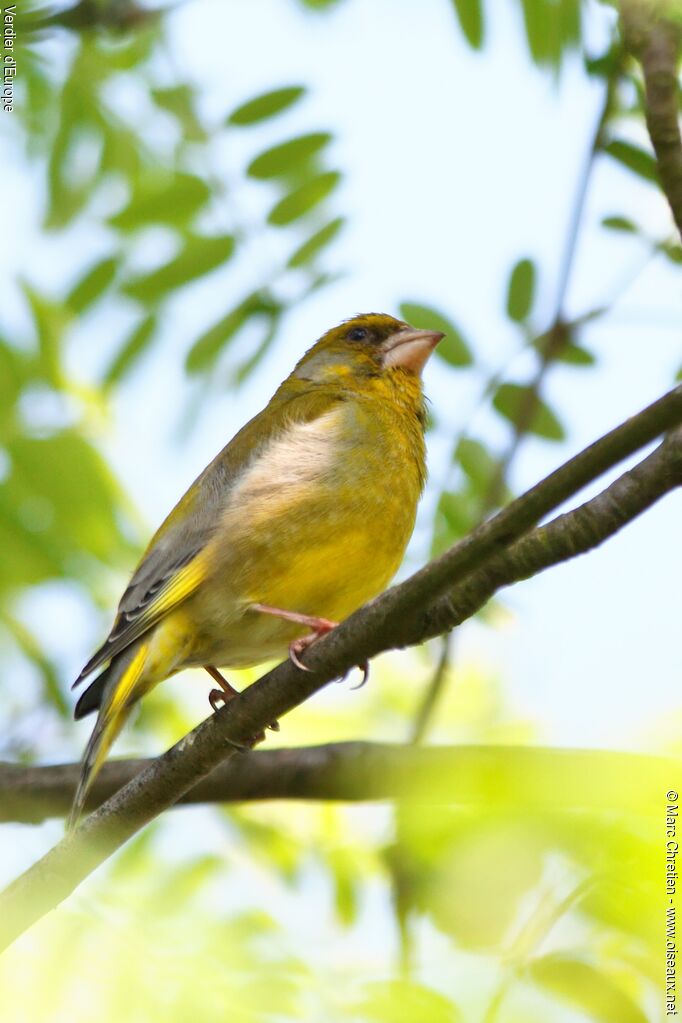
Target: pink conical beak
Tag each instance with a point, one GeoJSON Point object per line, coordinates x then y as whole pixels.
{"type": "Point", "coordinates": [411, 348]}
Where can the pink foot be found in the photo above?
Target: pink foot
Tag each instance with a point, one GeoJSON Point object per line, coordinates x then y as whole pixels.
{"type": "Point", "coordinates": [219, 697]}
{"type": "Point", "coordinates": [318, 626]}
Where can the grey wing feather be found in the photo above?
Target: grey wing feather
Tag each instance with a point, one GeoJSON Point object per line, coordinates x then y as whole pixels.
{"type": "Point", "coordinates": [176, 546]}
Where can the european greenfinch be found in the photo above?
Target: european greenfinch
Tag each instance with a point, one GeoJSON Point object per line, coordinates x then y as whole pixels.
{"type": "Point", "coordinates": [300, 519]}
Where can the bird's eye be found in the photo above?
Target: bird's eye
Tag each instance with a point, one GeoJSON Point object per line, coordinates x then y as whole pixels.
{"type": "Point", "coordinates": [357, 334]}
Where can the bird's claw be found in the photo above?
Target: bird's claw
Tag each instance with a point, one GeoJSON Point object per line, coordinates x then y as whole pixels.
{"type": "Point", "coordinates": [320, 627]}
{"type": "Point", "coordinates": [296, 648]}
{"type": "Point", "coordinates": [364, 668]}
{"type": "Point", "coordinates": [222, 696]}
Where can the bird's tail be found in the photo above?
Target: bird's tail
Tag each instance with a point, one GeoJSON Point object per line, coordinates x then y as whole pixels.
{"type": "Point", "coordinates": [116, 690]}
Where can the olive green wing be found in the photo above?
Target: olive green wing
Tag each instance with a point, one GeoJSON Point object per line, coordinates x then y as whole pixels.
{"type": "Point", "coordinates": [175, 563]}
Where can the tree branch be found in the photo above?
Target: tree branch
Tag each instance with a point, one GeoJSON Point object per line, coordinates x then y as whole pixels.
{"type": "Point", "coordinates": [656, 42]}
{"type": "Point", "coordinates": [367, 771]}
{"type": "Point", "coordinates": [416, 609]}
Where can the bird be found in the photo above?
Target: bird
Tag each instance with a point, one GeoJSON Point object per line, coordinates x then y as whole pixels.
{"type": "Point", "coordinates": [301, 518]}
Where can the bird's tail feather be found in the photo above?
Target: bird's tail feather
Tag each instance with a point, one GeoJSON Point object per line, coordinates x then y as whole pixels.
{"type": "Point", "coordinates": [117, 697]}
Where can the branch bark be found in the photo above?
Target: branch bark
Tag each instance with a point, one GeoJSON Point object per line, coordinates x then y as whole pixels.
{"type": "Point", "coordinates": [656, 40]}
{"type": "Point", "coordinates": [419, 608]}
{"type": "Point", "coordinates": [534, 777]}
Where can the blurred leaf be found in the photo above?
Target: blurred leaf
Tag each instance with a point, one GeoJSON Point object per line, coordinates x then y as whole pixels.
{"type": "Point", "coordinates": [303, 199]}
{"type": "Point", "coordinates": [68, 497]}
{"type": "Point", "coordinates": [470, 14]}
{"type": "Point", "coordinates": [458, 512]}
{"type": "Point", "coordinates": [245, 368]}
{"type": "Point", "coordinates": [521, 290]}
{"type": "Point", "coordinates": [396, 1001]}
{"type": "Point", "coordinates": [266, 105]}
{"type": "Point", "coordinates": [634, 158]}
{"type": "Point", "coordinates": [198, 257]}
{"type": "Point", "coordinates": [306, 252]}
{"type": "Point", "coordinates": [135, 345]}
{"type": "Point", "coordinates": [619, 224]}
{"type": "Point", "coordinates": [282, 159]}
{"type": "Point", "coordinates": [121, 152]}
{"type": "Point", "coordinates": [65, 198]}
{"type": "Point", "coordinates": [559, 344]}
{"type": "Point", "coordinates": [208, 347]}
{"type": "Point", "coordinates": [169, 199]}
{"type": "Point", "coordinates": [576, 355]}
{"type": "Point", "coordinates": [477, 462]}
{"type": "Point", "coordinates": [588, 989]}
{"type": "Point", "coordinates": [92, 285]}
{"type": "Point", "coordinates": [26, 558]}
{"type": "Point", "coordinates": [552, 27]}
{"type": "Point", "coordinates": [679, 374]}
{"type": "Point", "coordinates": [515, 401]}
{"type": "Point", "coordinates": [14, 374]}
{"type": "Point", "coordinates": [31, 648]}
{"type": "Point", "coordinates": [453, 348]}
{"type": "Point", "coordinates": [179, 101]}
{"type": "Point", "coordinates": [342, 864]}
{"type": "Point", "coordinates": [672, 251]}
{"type": "Point", "coordinates": [51, 320]}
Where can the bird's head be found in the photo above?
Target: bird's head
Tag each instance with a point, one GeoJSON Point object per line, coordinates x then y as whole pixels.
{"type": "Point", "coordinates": [368, 345]}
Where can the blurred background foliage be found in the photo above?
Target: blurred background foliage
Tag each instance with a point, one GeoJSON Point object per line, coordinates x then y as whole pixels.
{"type": "Point", "coordinates": [429, 913]}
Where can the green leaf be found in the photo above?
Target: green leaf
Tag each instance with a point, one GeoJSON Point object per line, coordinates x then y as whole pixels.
{"type": "Point", "coordinates": [672, 251]}
{"type": "Point", "coordinates": [131, 350]}
{"type": "Point", "coordinates": [619, 224]}
{"type": "Point", "coordinates": [198, 257]}
{"type": "Point", "coordinates": [470, 14]}
{"type": "Point", "coordinates": [164, 199]}
{"type": "Point", "coordinates": [395, 1001]}
{"type": "Point", "coordinates": [32, 649]}
{"type": "Point", "coordinates": [15, 373]}
{"type": "Point", "coordinates": [521, 290]}
{"type": "Point", "coordinates": [552, 27]}
{"type": "Point", "coordinates": [269, 104]}
{"type": "Point", "coordinates": [453, 348]}
{"type": "Point", "coordinates": [245, 368]}
{"type": "Point", "coordinates": [66, 199]}
{"type": "Point", "coordinates": [51, 320]}
{"type": "Point", "coordinates": [477, 462]}
{"type": "Point", "coordinates": [303, 199]}
{"type": "Point", "coordinates": [588, 989]}
{"type": "Point", "coordinates": [122, 53]}
{"type": "Point", "coordinates": [178, 100]}
{"type": "Point", "coordinates": [282, 159]}
{"type": "Point", "coordinates": [121, 152]}
{"type": "Point", "coordinates": [306, 252]}
{"type": "Point", "coordinates": [50, 480]}
{"type": "Point", "coordinates": [634, 158]}
{"type": "Point", "coordinates": [456, 515]}
{"type": "Point", "coordinates": [576, 355]}
{"type": "Point", "coordinates": [92, 285]}
{"type": "Point", "coordinates": [558, 344]}
{"type": "Point", "coordinates": [527, 412]}
{"type": "Point", "coordinates": [208, 347]}
{"type": "Point", "coordinates": [679, 374]}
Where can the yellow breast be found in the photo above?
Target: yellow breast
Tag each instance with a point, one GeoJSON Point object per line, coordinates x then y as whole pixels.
{"type": "Point", "coordinates": [318, 524]}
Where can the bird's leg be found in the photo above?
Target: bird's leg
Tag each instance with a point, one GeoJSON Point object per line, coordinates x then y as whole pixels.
{"type": "Point", "coordinates": [227, 692]}
{"type": "Point", "coordinates": [318, 626]}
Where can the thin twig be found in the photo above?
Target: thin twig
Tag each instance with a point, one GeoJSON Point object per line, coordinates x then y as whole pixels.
{"type": "Point", "coordinates": [656, 42]}
{"type": "Point", "coordinates": [433, 691]}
